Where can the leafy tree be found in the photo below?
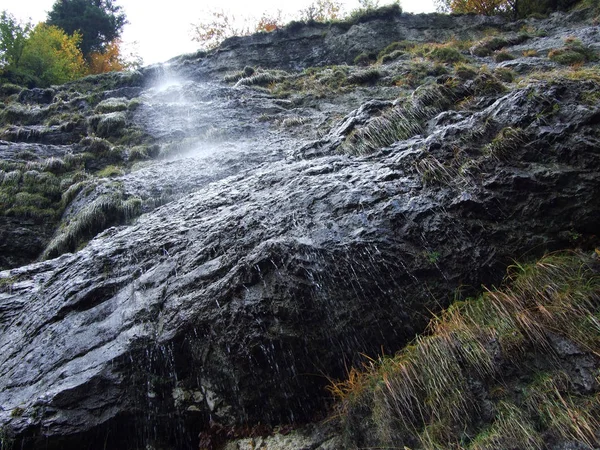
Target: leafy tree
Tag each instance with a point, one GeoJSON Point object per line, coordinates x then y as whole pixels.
{"type": "Point", "coordinates": [515, 8]}
{"type": "Point", "coordinates": [269, 22]}
{"type": "Point", "coordinates": [215, 27]}
{"type": "Point", "coordinates": [52, 56]}
{"type": "Point", "coordinates": [12, 39]}
{"type": "Point", "coordinates": [112, 60]}
{"type": "Point", "coordinates": [485, 7]}
{"type": "Point", "coordinates": [322, 11]}
{"type": "Point", "coordinates": [99, 22]}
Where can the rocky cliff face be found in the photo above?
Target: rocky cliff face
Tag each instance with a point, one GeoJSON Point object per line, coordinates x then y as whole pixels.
{"type": "Point", "coordinates": [250, 242]}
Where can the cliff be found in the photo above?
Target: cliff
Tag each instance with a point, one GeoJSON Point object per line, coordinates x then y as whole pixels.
{"type": "Point", "coordinates": [193, 251]}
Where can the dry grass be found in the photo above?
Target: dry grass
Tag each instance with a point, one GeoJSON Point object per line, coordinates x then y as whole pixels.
{"type": "Point", "coordinates": [425, 393]}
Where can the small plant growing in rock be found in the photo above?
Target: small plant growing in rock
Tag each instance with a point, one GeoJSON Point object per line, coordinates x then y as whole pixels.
{"type": "Point", "coordinates": [505, 74]}
{"type": "Point", "coordinates": [465, 71]}
{"type": "Point", "coordinates": [363, 59]}
{"type": "Point", "coordinates": [365, 76]}
{"type": "Point", "coordinates": [506, 141]}
{"type": "Point", "coordinates": [502, 56]}
{"type": "Point", "coordinates": [446, 54]}
{"type": "Point", "coordinates": [573, 53]}
{"type": "Point", "coordinates": [530, 53]}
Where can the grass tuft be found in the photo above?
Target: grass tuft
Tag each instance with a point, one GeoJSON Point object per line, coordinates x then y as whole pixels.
{"type": "Point", "coordinates": [431, 394]}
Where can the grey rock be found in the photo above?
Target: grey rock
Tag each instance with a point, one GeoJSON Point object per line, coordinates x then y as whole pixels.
{"type": "Point", "coordinates": [273, 261]}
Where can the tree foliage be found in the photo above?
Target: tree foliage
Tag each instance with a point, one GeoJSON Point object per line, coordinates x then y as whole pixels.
{"type": "Point", "coordinates": [514, 8]}
{"type": "Point", "coordinates": [485, 7]}
{"type": "Point", "coordinates": [269, 22]}
{"type": "Point", "coordinates": [52, 56]}
{"type": "Point", "coordinates": [216, 26]}
{"type": "Point", "coordinates": [322, 11]}
{"type": "Point", "coordinates": [12, 39]}
{"type": "Point", "coordinates": [99, 22]}
{"type": "Point", "coordinates": [112, 59]}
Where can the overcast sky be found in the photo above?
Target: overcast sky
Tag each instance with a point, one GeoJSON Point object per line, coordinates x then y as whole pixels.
{"type": "Point", "coordinates": [162, 30]}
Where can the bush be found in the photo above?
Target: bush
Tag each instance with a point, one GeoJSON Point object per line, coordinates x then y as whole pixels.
{"type": "Point", "coordinates": [363, 59]}
{"type": "Point", "coordinates": [574, 52]}
{"type": "Point", "coordinates": [384, 13]}
{"type": "Point", "coordinates": [365, 76]}
{"type": "Point", "coordinates": [446, 54]}
{"type": "Point", "coordinates": [502, 56]}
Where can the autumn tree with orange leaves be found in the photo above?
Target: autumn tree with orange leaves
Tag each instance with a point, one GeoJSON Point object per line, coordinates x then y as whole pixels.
{"type": "Point", "coordinates": [112, 60]}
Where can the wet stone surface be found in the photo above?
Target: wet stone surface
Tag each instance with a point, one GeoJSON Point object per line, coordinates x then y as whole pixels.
{"type": "Point", "coordinates": [271, 259]}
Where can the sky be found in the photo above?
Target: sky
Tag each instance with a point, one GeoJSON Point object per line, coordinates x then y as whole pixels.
{"type": "Point", "coordinates": [158, 31]}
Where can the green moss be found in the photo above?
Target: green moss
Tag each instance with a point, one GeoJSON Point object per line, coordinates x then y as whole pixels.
{"type": "Point", "coordinates": [392, 56]}
{"type": "Point", "coordinates": [402, 46]}
{"type": "Point", "coordinates": [505, 74]}
{"type": "Point", "coordinates": [566, 57]}
{"type": "Point", "coordinates": [110, 171]}
{"type": "Point", "coordinates": [112, 105]}
{"type": "Point", "coordinates": [465, 71]}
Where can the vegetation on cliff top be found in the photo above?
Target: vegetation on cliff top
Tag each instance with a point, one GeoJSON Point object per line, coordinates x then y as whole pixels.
{"type": "Point", "coordinates": [80, 37]}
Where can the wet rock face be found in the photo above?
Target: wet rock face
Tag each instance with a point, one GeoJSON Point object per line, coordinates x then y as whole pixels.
{"type": "Point", "coordinates": [233, 304]}
{"type": "Point", "coordinates": [277, 258]}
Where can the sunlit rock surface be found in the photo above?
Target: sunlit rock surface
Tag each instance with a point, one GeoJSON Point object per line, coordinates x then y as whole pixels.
{"type": "Point", "coordinates": [268, 259]}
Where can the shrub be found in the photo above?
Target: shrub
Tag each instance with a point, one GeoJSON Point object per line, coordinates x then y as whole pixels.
{"type": "Point", "coordinates": [52, 56]}
{"type": "Point", "coordinates": [366, 14]}
{"type": "Point", "coordinates": [502, 56]}
{"type": "Point", "coordinates": [446, 54]}
{"type": "Point", "coordinates": [365, 76]}
{"type": "Point", "coordinates": [392, 56]}
{"type": "Point", "coordinates": [363, 59]}
{"type": "Point", "coordinates": [573, 53]}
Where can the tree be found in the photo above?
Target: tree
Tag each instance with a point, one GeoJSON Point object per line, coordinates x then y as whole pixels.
{"type": "Point", "coordinates": [99, 22]}
{"type": "Point", "coordinates": [12, 39]}
{"type": "Point", "coordinates": [269, 22]}
{"type": "Point", "coordinates": [322, 11]}
{"type": "Point", "coordinates": [52, 56]}
{"type": "Point", "coordinates": [485, 7]}
{"type": "Point", "coordinates": [112, 60]}
{"type": "Point", "coordinates": [215, 27]}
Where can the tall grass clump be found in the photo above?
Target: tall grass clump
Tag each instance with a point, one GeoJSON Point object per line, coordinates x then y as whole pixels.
{"type": "Point", "coordinates": [488, 372]}
{"type": "Point", "coordinates": [399, 123]}
{"type": "Point", "coordinates": [104, 211]}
